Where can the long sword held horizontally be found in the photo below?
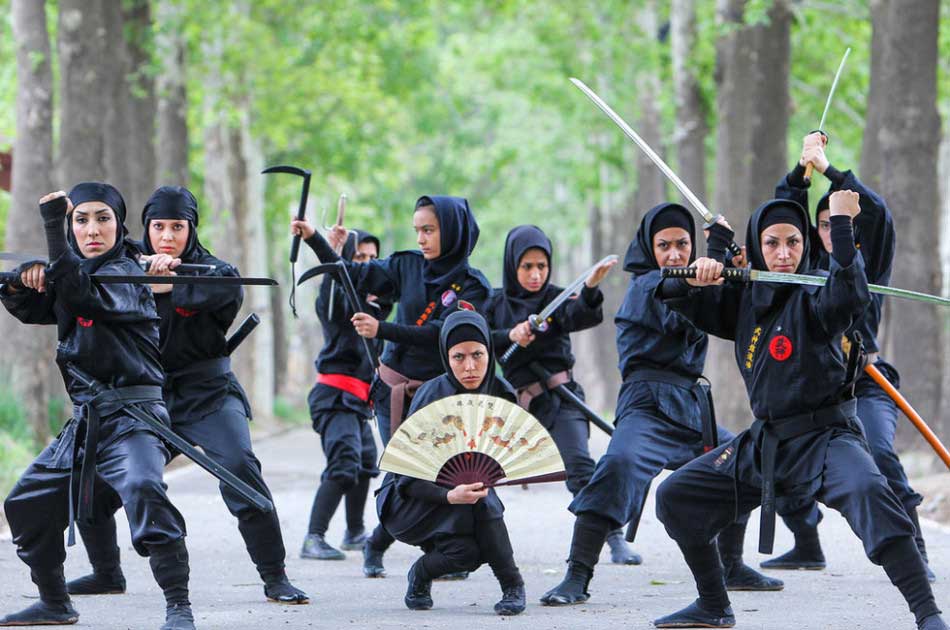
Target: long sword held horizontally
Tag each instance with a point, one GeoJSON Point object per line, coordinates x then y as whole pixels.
{"type": "Point", "coordinates": [744, 274]}
{"type": "Point", "coordinates": [824, 114]}
{"type": "Point", "coordinates": [694, 201]}
{"type": "Point", "coordinates": [538, 321]}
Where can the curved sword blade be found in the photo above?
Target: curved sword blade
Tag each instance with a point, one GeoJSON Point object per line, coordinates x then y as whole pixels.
{"type": "Point", "coordinates": [831, 92]}
{"type": "Point", "coordinates": [794, 278]}
{"type": "Point", "coordinates": [570, 290]}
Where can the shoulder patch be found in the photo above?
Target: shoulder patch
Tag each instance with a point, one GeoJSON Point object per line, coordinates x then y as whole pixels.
{"type": "Point", "coordinates": [468, 306]}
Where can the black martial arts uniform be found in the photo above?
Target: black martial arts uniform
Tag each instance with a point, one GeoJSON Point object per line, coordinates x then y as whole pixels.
{"type": "Point", "coordinates": [456, 538]}
{"type": "Point", "coordinates": [806, 439]}
{"type": "Point", "coordinates": [207, 405]}
{"type": "Point", "coordinates": [874, 237]}
{"type": "Point", "coordinates": [427, 292]}
{"type": "Point", "coordinates": [547, 361]}
{"type": "Point", "coordinates": [340, 410]}
{"type": "Point", "coordinates": [663, 412]}
{"type": "Point", "coordinates": [102, 456]}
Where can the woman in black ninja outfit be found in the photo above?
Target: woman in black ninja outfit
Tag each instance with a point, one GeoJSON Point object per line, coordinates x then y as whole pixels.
{"type": "Point", "coordinates": [461, 528]}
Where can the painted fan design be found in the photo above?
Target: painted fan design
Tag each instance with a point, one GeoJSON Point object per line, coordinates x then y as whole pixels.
{"type": "Point", "coordinates": [470, 438]}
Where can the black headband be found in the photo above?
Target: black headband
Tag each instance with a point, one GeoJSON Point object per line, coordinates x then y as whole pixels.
{"type": "Point", "coordinates": [171, 202]}
{"type": "Point", "coordinates": [98, 191]}
{"type": "Point", "coordinates": [669, 218]}
{"type": "Point", "coordinates": [463, 333]}
{"type": "Point", "coordinates": [781, 214]}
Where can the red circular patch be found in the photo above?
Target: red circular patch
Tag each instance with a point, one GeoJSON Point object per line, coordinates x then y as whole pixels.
{"type": "Point", "coordinates": [780, 347]}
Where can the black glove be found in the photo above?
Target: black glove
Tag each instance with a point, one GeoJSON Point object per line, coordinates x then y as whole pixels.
{"type": "Point", "coordinates": [718, 241]}
{"type": "Point", "coordinates": [54, 213]}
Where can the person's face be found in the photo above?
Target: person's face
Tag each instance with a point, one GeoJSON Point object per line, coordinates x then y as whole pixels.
{"type": "Point", "coordinates": [782, 247]}
{"type": "Point", "coordinates": [426, 225]}
{"type": "Point", "coordinates": [168, 236]}
{"type": "Point", "coordinates": [533, 270]}
{"type": "Point", "coordinates": [95, 226]}
{"type": "Point", "coordinates": [672, 247]}
{"type": "Point", "coordinates": [469, 363]}
{"type": "Point", "coordinates": [824, 229]}
{"type": "Point", "coordinates": [365, 252]}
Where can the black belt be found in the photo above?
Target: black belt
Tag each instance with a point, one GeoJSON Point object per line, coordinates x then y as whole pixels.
{"type": "Point", "coordinates": [701, 391]}
{"type": "Point", "coordinates": [200, 371]}
{"type": "Point", "coordinates": [105, 404]}
{"type": "Point", "coordinates": [776, 431]}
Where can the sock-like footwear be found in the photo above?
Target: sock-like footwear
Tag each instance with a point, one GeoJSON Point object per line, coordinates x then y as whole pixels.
{"type": "Point", "coordinates": [354, 541]}
{"type": "Point", "coordinates": [921, 545]}
{"type": "Point", "coordinates": [906, 569]}
{"type": "Point", "coordinates": [572, 589]}
{"type": "Point", "coordinates": [696, 615]}
{"type": "Point", "coordinates": [315, 547]}
{"type": "Point", "coordinates": [741, 577]}
{"type": "Point", "coordinates": [805, 555]}
{"type": "Point", "coordinates": [419, 591]}
{"type": "Point", "coordinates": [373, 562]}
{"type": "Point", "coordinates": [170, 568]}
{"type": "Point", "coordinates": [933, 622]}
{"type": "Point", "coordinates": [277, 588]}
{"type": "Point", "coordinates": [54, 607]}
{"type": "Point", "coordinates": [512, 601]}
{"type": "Point", "coordinates": [454, 576]}
{"type": "Point", "coordinates": [620, 551]}
{"type": "Point", "coordinates": [97, 583]}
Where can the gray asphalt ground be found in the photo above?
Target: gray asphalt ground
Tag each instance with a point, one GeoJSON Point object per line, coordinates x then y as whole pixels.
{"type": "Point", "coordinates": [226, 592]}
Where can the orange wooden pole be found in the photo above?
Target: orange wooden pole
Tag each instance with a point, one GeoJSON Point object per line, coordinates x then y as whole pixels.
{"type": "Point", "coordinates": [912, 415]}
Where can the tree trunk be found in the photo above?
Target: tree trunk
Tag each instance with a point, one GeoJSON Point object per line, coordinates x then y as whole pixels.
{"type": "Point", "coordinates": [172, 154]}
{"type": "Point", "coordinates": [909, 137]}
{"type": "Point", "coordinates": [33, 346]}
{"type": "Point", "coordinates": [85, 91]}
{"type": "Point", "coordinates": [113, 69]}
{"type": "Point", "coordinates": [871, 145]}
{"type": "Point", "coordinates": [691, 128]}
{"type": "Point", "coordinates": [141, 108]}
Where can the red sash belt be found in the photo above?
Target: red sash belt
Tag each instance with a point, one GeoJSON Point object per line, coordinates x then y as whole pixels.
{"type": "Point", "coordinates": [349, 384]}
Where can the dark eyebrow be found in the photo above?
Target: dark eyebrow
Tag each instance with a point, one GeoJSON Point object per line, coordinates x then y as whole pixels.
{"type": "Point", "coordinates": [99, 211]}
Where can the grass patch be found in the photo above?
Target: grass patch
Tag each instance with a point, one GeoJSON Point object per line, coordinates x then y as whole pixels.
{"type": "Point", "coordinates": [292, 413]}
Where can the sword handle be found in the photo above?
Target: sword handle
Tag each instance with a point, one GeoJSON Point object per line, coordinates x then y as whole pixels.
{"type": "Point", "coordinates": [507, 355]}
{"type": "Point", "coordinates": [807, 177]}
{"type": "Point", "coordinates": [734, 249]}
{"type": "Point", "coordinates": [731, 274]}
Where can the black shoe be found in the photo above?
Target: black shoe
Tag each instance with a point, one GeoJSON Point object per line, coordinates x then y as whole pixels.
{"type": "Point", "coordinates": [620, 552]}
{"type": "Point", "coordinates": [373, 562]}
{"type": "Point", "coordinates": [315, 547]}
{"type": "Point", "coordinates": [696, 616]}
{"type": "Point", "coordinates": [354, 541]}
{"type": "Point", "coordinates": [806, 559]}
{"type": "Point", "coordinates": [279, 589]}
{"type": "Point", "coordinates": [931, 576]}
{"type": "Point", "coordinates": [456, 576]}
{"type": "Point", "coordinates": [741, 577]}
{"type": "Point", "coordinates": [933, 622]}
{"type": "Point", "coordinates": [572, 589]}
{"type": "Point", "coordinates": [512, 601]}
{"type": "Point", "coordinates": [419, 593]}
{"type": "Point", "coordinates": [98, 584]}
{"type": "Point", "coordinates": [179, 617]}
{"type": "Point", "coordinates": [43, 614]}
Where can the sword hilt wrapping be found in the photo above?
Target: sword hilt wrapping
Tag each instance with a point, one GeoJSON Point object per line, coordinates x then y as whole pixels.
{"type": "Point", "coordinates": [507, 355]}
{"type": "Point", "coordinates": [810, 167]}
{"type": "Point", "coordinates": [184, 267]}
{"type": "Point", "coordinates": [731, 274]}
{"type": "Point", "coordinates": [11, 278]}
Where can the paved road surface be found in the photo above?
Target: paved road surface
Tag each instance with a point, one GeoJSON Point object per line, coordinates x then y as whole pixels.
{"type": "Point", "coordinates": [226, 592]}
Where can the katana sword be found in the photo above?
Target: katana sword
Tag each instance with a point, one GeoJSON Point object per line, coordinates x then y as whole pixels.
{"type": "Point", "coordinates": [824, 114]}
{"type": "Point", "coordinates": [539, 322]}
{"type": "Point", "coordinates": [11, 277]}
{"type": "Point", "coordinates": [245, 329]}
{"type": "Point", "coordinates": [694, 201]}
{"type": "Point", "coordinates": [144, 264]}
{"type": "Point", "coordinates": [744, 274]}
{"type": "Point", "coordinates": [179, 443]}
{"type": "Point", "coordinates": [571, 397]}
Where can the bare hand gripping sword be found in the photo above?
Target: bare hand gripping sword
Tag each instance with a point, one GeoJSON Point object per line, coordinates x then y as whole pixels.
{"type": "Point", "coordinates": [694, 201]}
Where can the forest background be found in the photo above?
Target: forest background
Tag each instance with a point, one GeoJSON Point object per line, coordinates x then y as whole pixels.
{"type": "Point", "coordinates": [387, 100]}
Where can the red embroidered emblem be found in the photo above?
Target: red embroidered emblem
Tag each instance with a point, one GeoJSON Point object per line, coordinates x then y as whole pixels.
{"type": "Point", "coordinates": [85, 323]}
{"type": "Point", "coordinates": [468, 306]}
{"type": "Point", "coordinates": [184, 312]}
{"type": "Point", "coordinates": [780, 347]}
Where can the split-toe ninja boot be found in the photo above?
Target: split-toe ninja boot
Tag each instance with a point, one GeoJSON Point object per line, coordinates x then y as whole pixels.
{"type": "Point", "coordinates": [373, 561]}
{"type": "Point", "coordinates": [805, 555]}
{"type": "Point", "coordinates": [933, 622]}
{"type": "Point", "coordinates": [96, 583]}
{"type": "Point", "coordinates": [620, 552]}
{"type": "Point", "coordinates": [277, 588]}
{"type": "Point", "coordinates": [738, 575]}
{"type": "Point", "coordinates": [697, 615]}
{"type": "Point", "coordinates": [169, 564]}
{"type": "Point", "coordinates": [106, 577]}
{"type": "Point", "coordinates": [315, 547]}
{"type": "Point", "coordinates": [512, 601]}
{"type": "Point", "coordinates": [419, 591]}
{"type": "Point", "coordinates": [572, 589]}
{"type": "Point", "coordinates": [354, 541]}
{"type": "Point", "coordinates": [54, 607]}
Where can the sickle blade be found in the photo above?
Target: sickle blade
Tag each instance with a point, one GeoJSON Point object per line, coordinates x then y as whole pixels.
{"type": "Point", "coordinates": [319, 270]}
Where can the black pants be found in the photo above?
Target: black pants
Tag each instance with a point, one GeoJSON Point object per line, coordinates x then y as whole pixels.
{"type": "Point", "coordinates": [643, 444]}
{"type": "Point", "coordinates": [225, 436]}
{"type": "Point", "coordinates": [700, 499]}
{"type": "Point", "coordinates": [349, 448]}
{"type": "Point", "coordinates": [571, 433]}
{"type": "Point", "coordinates": [128, 472]}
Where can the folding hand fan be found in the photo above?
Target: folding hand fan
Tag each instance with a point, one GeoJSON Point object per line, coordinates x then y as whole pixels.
{"type": "Point", "coordinates": [470, 438]}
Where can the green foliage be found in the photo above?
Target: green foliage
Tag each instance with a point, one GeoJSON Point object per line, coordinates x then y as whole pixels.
{"type": "Point", "coordinates": [14, 457]}
{"type": "Point", "coordinates": [290, 411]}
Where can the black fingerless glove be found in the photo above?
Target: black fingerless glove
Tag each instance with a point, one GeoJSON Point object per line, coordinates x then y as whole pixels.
{"type": "Point", "coordinates": [842, 240]}
{"type": "Point", "coordinates": [54, 213]}
{"type": "Point", "coordinates": [718, 242]}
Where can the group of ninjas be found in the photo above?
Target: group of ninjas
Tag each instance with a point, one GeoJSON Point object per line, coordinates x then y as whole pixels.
{"type": "Point", "coordinates": [822, 432]}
